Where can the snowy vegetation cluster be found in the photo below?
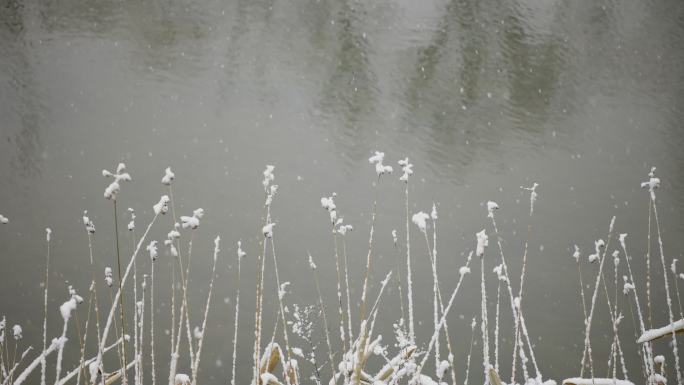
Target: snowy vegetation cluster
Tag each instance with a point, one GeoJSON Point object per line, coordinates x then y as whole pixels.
{"type": "Point", "coordinates": [303, 333]}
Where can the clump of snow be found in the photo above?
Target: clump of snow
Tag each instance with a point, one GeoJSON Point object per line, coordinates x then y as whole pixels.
{"type": "Point", "coordinates": [48, 234]}
{"type": "Point", "coordinates": [652, 184]}
{"type": "Point", "coordinates": [433, 213]}
{"type": "Point", "coordinates": [152, 249]}
{"type": "Point", "coordinates": [598, 245]}
{"type": "Point", "coordinates": [119, 176]}
{"type": "Point", "coordinates": [464, 270]}
{"type": "Point", "coordinates": [197, 332]}
{"type": "Point", "coordinates": [394, 236]}
{"type": "Point", "coordinates": [420, 220]}
{"type": "Point", "coordinates": [491, 206]}
{"type": "Point", "coordinates": [312, 265]}
{"type": "Point", "coordinates": [379, 167]}
{"type": "Point", "coordinates": [268, 177]}
{"type": "Point", "coordinates": [17, 332]}
{"type": "Point", "coordinates": [533, 195]}
{"type": "Point", "coordinates": [673, 266]}
{"type": "Point", "coordinates": [406, 168]}
{"type": "Point", "coordinates": [168, 177]}
{"type": "Point", "coordinates": [131, 224]}
{"type": "Point", "coordinates": [328, 203]}
{"type": "Point", "coordinates": [659, 359]}
{"type": "Point", "coordinates": [3, 219]}
{"type": "Point", "coordinates": [268, 230]}
{"type": "Point", "coordinates": [89, 225]}
{"type": "Point", "coordinates": [69, 306]}
{"type": "Point", "coordinates": [283, 289]}
{"type": "Point", "coordinates": [343, 229]}
{"type": "Point", "coordinates": [576, 254]}
{"type": "Point", "coordinates": [162, 207]}
{"type": "Point", "coordinates": [108, 276]}
{"type": "Point", "coordinates": [482, 242]}
{"type": "Point", "coordinates": [240, 253]}
{"type": "Point", "coordinates": [193, 221]}
{"type": "Point", "coordinates": [182, 379]}
{"type": "Point", "coordinates": [627, 286]}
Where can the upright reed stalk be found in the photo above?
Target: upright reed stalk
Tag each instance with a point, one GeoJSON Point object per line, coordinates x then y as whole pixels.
{"type": "Point", "coordinates": [48, 233]}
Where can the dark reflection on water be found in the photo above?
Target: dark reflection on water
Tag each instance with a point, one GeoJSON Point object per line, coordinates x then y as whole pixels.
{"type": "Point", "coordinates": [483, 97]}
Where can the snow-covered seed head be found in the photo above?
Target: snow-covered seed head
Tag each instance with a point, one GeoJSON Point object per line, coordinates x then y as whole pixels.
{"type": "Point", "coordinates": [283, 289]}
{"type": "Point", "coordinates": [420, 220]}
{"type": "Point", "coordinates": [328, 203]}
{"type": "Point", "coordinates": [627, 285]}
{"type": "Point", "coordinates": [268, 177]}
{"type": "Point", "coordinates": [119, 176]}
{"type": "Point", "coordinates": [673, 267]}
{"type": "Point", "coordinates": [181, 379]}
{"type": "Point", "coordinates": [533, 195]}
{"type": "Point", "coordinates": [162, 207]}
{"type": "Point", "coordinates": [152, 249]}
{"type": "Point", "coordinates": [48, 234]}
{"type": "Point", "coordinates": [498, 270]}
{"type": "Point", "coordinates": [3, 219]}
{"type": "Point", "coordinates": [168, 177]}
{"type": "Point", "coordinates": [394, 236]}
{"type": "Point", "coordinates": [197, 333]}
{"type": "Point", "coordinates": [268, 230]}
{"type": "Point", "coordinates": [616, 259]}
{"type": "Point", "coordinates": [464, 270]}
{"type": "Point", "coordinates": [406, 168]}
{"type": "Point", "coordinates": [312, 265]}
{"type": "Point", "coordinates": [576, 254]}
{"type": "Point", "coordinates": [69, 306]}
{"type": "Point", "coordinates": [17, 332]}
{"type": "Point", "coordinates": [108, 276]}
{"type": "Point", "coordinates": [343, 229]}
{"type": "Point", "coordinates": [240, 253]}
{"type": "Point", "coordinates": [377, 161]}
{"type": "Point", "coordinates": [652, 183]}
{"type": "Point", "coordinates": [482, 242]}
{"type": "Point", "coordinates": [433, 213]}
{"type": "Point", "coordinates": [491, 206]}
{"type": "Point", "coordinates": [193, 221]}
{"type": "Point", "coordinates": [131, 224]}
{"type": "Point", "coordinates": [89, 225]}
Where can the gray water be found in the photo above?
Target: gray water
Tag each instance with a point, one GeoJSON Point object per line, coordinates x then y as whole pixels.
{"type": "Point", "coordinates": [483, 97]}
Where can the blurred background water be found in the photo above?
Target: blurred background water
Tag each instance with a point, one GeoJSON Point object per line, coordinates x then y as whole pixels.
{"type": "Point", "coordinates": [482, 96]}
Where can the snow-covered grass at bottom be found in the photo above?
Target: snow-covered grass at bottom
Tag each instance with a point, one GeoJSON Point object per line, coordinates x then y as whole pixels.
{"type": "Point", "coordinates": [300, 350]}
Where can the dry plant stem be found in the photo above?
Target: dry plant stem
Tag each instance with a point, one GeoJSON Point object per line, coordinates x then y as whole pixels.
{"type": "Point", "coordinates": [679, 298]}
{"type": "Point", "coordinates": [510, 294]}
{"type": "Point", "coordinates": [343, 319]}
{"type": "Point", "coordinates": [646, 347]}
{"type": "Point", "coordinates": [121, 304]}
{"type": "Point", "coordinates": [325, 324]}
{"type": "Point", "coordinates": [584, 304]}
{"type": "Point", "coordinates": [282, 309]}
{"type": "Point", "coordinates": [648, 271]}
{"type": "Point", "coordinates": [520, 297]}
{"type": "Point", "coordinates": [346, 286]}
{"type": "Point", "coordinates": [667, 291]}
{"type": "Point", "coordinates": [399, 285]}
{"type": "Point", "coordinates": [136, 346]}
{"type": "Point", "coordinates": [364, 293]}
{"type": "Point", "coordinates": [259, 293]}
{"type": "Point", "coordinates": [118, 294]}
{"type": "Point", "coordinates": [412, 332]}
{"type": "Point", "coordinates": [437, 299]}
{"type": "Point", "coordinates": [173, 273]}
{"type": "Point", "coordinates": [142, 334]}
{"type": "Point", "coordinates": [47, 281]}
{"type": "Point", "coordinates": [496, 329]}
{"type": "Point", "coordinates": [237, 314]}
{"type": "Point", "coordinates": [587, 330]}
{"type": "Point", "coordinates": [470, 353]}
{"type": "Point", "coordinates": [116, 331]}
{"type": "Point", "coordinates": [83, 341]}
{"type": "Point", "coordinates": [97, 306]}
{"type": "Point", "coordinates": [195, 364]}
{"type": "Point", "coordinates": [152, 324]}
{"type": "Point", "coordinates": [436, 333]}
{"type": "Point", "coordinates": [184, 280]}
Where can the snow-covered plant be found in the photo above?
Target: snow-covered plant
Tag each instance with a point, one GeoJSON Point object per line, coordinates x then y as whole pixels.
{"type": "Point", "coordinates": [119, 176]}
{"type": "Point", "coordinates": [380, 168]}
{"type": "Point", "coordinates": [652, 183]}
{"type": "Point", "coordinates": [491, 206]}
{"type": "Point", "coordinates": [108, 276]}
{"type": "Point", "coordinates": [328, 203]}
{"type": "Point", "coordinates": [17, 332]}
{"type": "Point", "coordinates": [168, 177]}
{"type": "Point", "coordinates": [89, 225]}
{"type": "Point", "coordinates": [3, 219]}
{"type": "Point", "coordinates": [152, 249]}
{"type": "Point", "coordinates": [533, 195]}
{"type": "Point", "coordinates": [268, 177]}
{"type": "Point", "coordinates": [268, 230]}
{"type": "Point", "coordinates": [193, 221]}
{"type": "Point", "coordinates": [162, 207]}
{"type": "Point", "coordinates": [406, 168]}
{"type": "Point", "coordinates": [420, 220]}
{"type": "Point", "coordinates": [131, 224]}
{"type": "Point", "coordinates": [482, 242]}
